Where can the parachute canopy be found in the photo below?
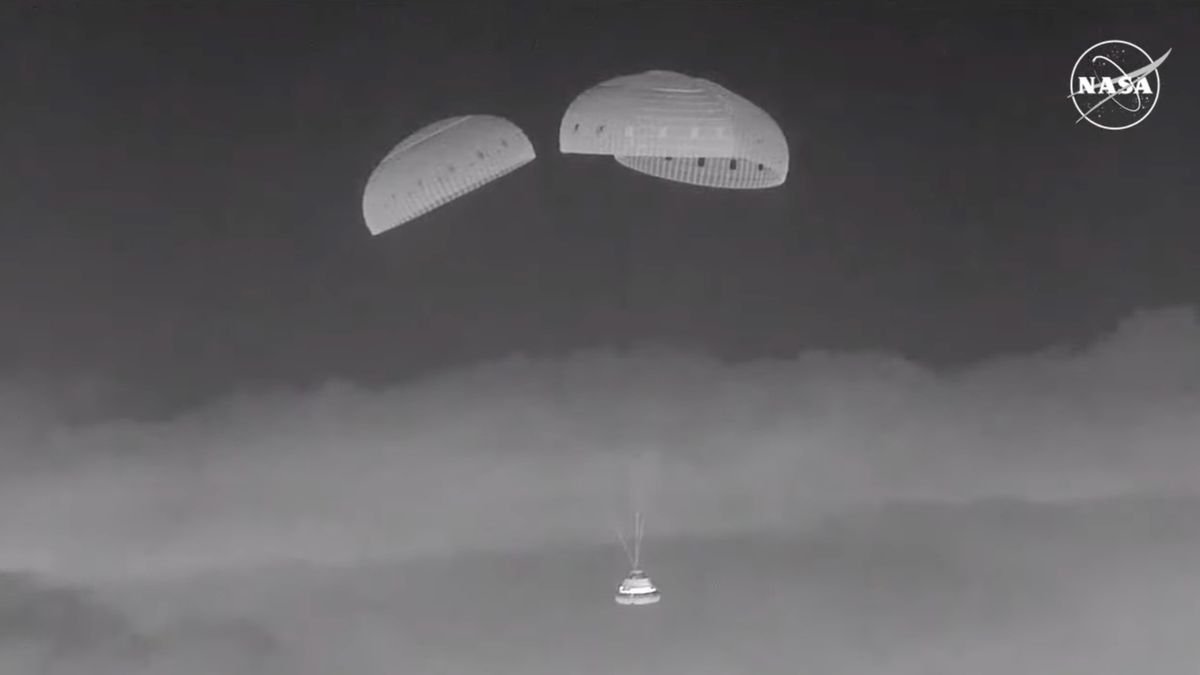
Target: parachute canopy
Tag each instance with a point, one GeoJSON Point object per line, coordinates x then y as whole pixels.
{"type": "Point", "coordinates": [439, 163]}
{"type": "Point", "coordinates": [680, 128]}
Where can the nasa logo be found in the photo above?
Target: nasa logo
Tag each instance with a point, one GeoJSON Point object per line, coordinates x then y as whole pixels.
{"type": "Point", "coordinates": [1115, 84]}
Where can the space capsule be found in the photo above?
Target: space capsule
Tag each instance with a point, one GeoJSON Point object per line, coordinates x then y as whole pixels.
{"type": "Point", "coordinates": [637, 589]}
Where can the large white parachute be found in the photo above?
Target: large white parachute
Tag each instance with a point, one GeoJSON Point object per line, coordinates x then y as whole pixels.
{"type": "Point", "coordinates": [439, 163]}
{"type": "Point", "coordinates": [680, 128]}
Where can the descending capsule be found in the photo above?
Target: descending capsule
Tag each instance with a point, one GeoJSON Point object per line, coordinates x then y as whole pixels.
{"type": "Point", "coordinates": [439, 163]}
{"type": "Point", "coordinates": [636, 590]}
{"type": "Point", "coordinates": [679, 128]}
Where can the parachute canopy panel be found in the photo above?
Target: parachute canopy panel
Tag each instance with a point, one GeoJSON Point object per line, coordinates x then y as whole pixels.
{"type": "Point", "coordinates": [439, 163]}
{"type": "Point", "coordinates": [680, 128]}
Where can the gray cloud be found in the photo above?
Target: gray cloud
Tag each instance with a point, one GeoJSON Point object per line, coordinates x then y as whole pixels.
{"type": "Point", "coordinates": [67, 630]}
{"type": "Point", "coordinates": [1103, 587]}
{"type": "Point", "coordinates": [41, 619]}
{"type": "Point", "coordinates": [523, 453]}
{"type": "Point", "coordinates": [832, 513]}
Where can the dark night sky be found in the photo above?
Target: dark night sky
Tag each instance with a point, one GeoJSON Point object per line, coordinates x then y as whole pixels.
{"type": "Point", "coordinates": [180, 203]}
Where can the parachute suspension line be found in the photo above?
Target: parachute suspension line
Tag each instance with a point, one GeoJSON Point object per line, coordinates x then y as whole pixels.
{"type": "Point", "coordinates": [625, 545]}
{"type": "Point", "coordinates": [633, 549]}
{"type": "Point", "coordinates": [637, 539]}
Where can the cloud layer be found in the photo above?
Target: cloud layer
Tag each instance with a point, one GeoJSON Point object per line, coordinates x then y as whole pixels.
{"type": "Point", "coordinates": [1102, 587]}
{"type": "Point", "coordinates": [831, 513]}
{"type": "Point", "coordinates": [525, 453]}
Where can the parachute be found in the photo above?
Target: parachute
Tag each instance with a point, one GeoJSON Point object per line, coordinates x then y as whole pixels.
{"type": "Point", "coordinates": [679, 128]}
{"type": "Point", "coordinates": [439, 163]}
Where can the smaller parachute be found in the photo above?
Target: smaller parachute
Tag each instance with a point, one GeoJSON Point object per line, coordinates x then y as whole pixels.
{"type": "Point", "coordinates": [439, 163]}
{"type": "Point", "coordinates": [679, 128]}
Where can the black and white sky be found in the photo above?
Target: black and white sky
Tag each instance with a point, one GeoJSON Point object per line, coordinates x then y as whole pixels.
{"type": "Point", "coordinates": [932, 406]}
